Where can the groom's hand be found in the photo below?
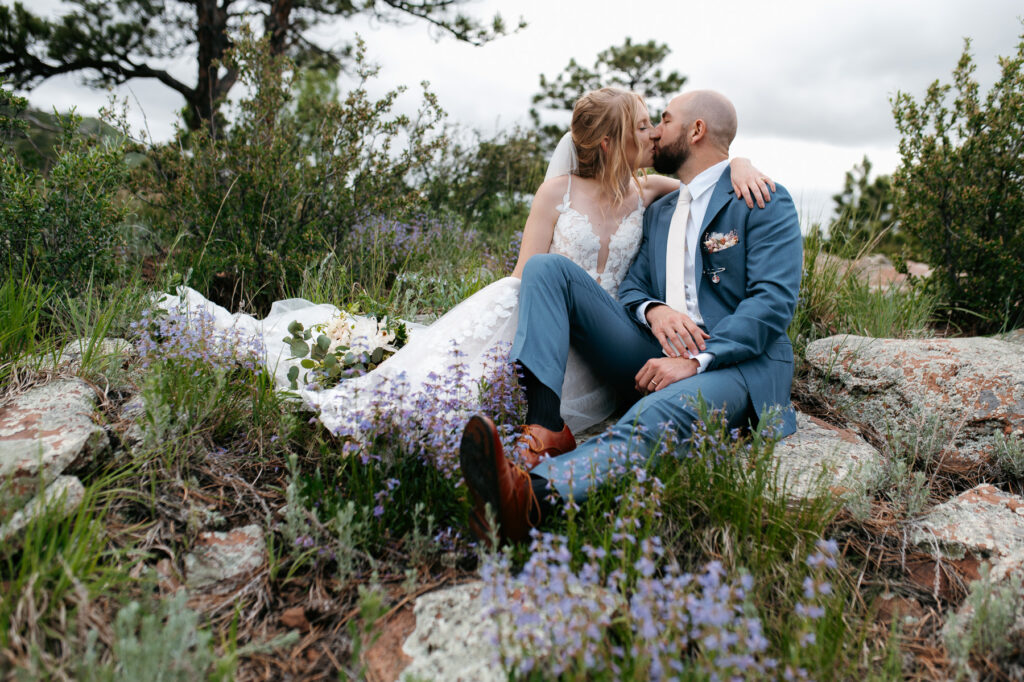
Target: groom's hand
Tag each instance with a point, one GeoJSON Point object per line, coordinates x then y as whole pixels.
{"type": "Point", "coordinates": [657, 373]}
{"type": "Point", "coordinates": [678, 335]}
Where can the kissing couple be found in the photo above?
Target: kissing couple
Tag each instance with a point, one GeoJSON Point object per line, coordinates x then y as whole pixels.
{"type": "Point", "coordinates": [698, 312]}
{"type": "Point", "coordinates": [589, 210]}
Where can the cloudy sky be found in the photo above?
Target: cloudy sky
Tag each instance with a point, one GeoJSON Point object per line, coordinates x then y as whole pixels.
{"type": "Point", "coordinates": [811, 79]}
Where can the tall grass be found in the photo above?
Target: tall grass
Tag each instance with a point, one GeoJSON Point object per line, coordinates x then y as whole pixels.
{"type": "Point", "coordinates": [835, 299]}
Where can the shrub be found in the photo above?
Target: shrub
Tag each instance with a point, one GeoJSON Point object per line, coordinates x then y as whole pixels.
{"type": "Point", "coordinates": [65, 227]}
{"type": "Point", "coordinates": [288, 180]}
{"type": "Point", "coordinates": [960, 190]}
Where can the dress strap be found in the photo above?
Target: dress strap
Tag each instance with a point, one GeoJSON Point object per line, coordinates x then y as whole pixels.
{"type": "Point", "coordinates": [568, 186]}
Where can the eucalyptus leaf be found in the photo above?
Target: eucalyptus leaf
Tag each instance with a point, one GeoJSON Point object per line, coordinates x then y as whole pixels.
{"type": "Point", "coordinates": [307, 363]}
{"type": "Point", "coordinates": [295, 327]}
{"type": "Point", "coordinates": [377, 356]}
{"type": "Point", "coordinates": [299, 348]}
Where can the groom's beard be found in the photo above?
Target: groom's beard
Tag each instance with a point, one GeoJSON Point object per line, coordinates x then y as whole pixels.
{"type": "Point", "coordinates": [669, 160]}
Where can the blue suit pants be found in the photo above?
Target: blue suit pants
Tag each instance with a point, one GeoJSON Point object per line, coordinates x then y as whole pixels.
{"type": "Point", "coordinates": [560, 304]}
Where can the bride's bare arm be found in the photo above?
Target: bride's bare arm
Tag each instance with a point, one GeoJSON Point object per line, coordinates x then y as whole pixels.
{"type": "Point", "coordinates": [749, 183]}
{"type": "Point", "coordinates": [540, 225]}
{"type": "Point", "coordinates": [658, 186]}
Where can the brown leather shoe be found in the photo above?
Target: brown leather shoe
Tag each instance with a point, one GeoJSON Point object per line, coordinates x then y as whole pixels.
{"type": "Point", "coordinates": [538, 443]}
{"type": "Point", "coordinates": [494, 481]}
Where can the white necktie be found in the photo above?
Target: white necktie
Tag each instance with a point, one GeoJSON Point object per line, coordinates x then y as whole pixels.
{"type": "Point", "coordinates": [676, 255]}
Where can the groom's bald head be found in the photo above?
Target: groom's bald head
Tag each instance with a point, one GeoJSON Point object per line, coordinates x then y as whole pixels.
{"type": "Point", "coordinates": [715, 109]}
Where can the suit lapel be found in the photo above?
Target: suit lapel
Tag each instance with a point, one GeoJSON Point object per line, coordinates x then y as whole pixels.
{"type": "Point", "coordinates": [663, 224]}
{"type": "Point", "coordinates": [720, 197]}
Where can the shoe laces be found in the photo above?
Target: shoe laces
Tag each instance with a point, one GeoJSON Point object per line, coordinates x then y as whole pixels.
{"type": "Point", "coordinates": [528, 440]}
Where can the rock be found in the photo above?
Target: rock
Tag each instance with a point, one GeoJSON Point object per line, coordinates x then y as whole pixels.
{"type": "Point", "coordinates": [878, 271]}
{"type": "Point", "coordinates": [132, 412]}
{"type": "Point", "coordinates": [973, 387]}
{"type": "Point", "coordinates": [820, 458]}
{"type": "Point", "coordinates": [453, 637]}
{"type": "Point", "coordinates": [890, 607]}
{"type": "Point", "coordinates": [62, 497]}
{"type": "Point", "coordinates": [42, 432]}
{"type": "Point", "coordinates": [224, 561]}
{"type": "Point", "coordinates": [115, 349]}
{"type": "Point", "coordinates": [983, 524]}
{"type": "Point", "coordinates": [383, 657]}
{"type": "Point", "coordinates": [295, 617]}
{"type": "Point", "coordinates": [452, 640]}
{"type": "Point", "coordinates": [1016, 336]}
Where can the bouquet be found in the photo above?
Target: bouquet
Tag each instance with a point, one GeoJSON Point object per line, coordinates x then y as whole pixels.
{"type": "Point", "coordinates": [344, 347]}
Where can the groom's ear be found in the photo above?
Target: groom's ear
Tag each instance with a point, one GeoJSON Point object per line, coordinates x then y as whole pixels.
{"type": "Point", "coordinates": [700, 130]}
{"type": "Point", "coordinates": [605, 141]}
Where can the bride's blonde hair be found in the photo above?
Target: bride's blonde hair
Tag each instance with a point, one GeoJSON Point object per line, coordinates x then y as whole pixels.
{"type": "Point", "coordinates": [611, 113]}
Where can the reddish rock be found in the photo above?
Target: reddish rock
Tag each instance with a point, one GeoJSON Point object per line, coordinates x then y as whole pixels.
{"type": "Point", "coordinates": [890, 607]}
{"type": "Point", "coordinates": [384, 658]}
{"type": "Point", "coordinates": [981, 525]}
{"type": "Point", "coordinates": [295, 617]}
{"type": "Point", "coordinates": [973, 387]}
{"type": "Point", "coordinates": [223, 561]}
{"type": "Point", "coordinates": [42, 432]}
{"type": "Point", "coordinates": [880, 273]}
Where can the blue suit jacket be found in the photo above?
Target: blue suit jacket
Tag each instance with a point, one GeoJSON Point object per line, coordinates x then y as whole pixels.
{"type": "Point", "coordinates": [748, 310]}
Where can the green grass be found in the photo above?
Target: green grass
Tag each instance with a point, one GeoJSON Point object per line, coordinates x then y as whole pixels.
{"type": "Point", "coordinates": [834, 300]}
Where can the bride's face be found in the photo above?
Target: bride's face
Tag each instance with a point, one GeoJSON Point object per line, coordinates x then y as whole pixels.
{"type": "Point", "coordinates": [643, 137]}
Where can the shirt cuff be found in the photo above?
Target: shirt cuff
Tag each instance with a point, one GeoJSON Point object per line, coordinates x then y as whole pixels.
{"type": "Point", "coordinates": [703, 360]}
{"type": "Point", "coordinates": [641, 312]}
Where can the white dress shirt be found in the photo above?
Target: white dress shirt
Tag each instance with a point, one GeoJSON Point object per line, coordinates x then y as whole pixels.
{"type": "Point", "coordinates": [701, 190]}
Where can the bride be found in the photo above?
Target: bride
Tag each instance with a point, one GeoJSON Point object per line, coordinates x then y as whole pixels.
{"type": "Point", "coordinates": [589, 208]}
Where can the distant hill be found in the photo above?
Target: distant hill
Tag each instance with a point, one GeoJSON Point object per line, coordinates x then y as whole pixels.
{"type": "Point", "coordinates": [37, 148]}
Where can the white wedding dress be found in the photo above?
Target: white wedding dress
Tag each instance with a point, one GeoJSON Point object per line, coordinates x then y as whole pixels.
{"type": "Point", "coordinates": [479, 327]}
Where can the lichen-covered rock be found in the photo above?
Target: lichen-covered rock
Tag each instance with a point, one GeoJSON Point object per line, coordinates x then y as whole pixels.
{"type": "Point", "coordinates": [224, 561]}
{"type": "Point", "coordinates": [820, 458]}
{"type": "Point", "coordinates": [983, 525]}
{"type": "Point", "coordinates": [62, 497]}
{"type": "Point", "coordinates": [42, 432]}
{"type": "Point", "coordinates": [983, 522]}
{"type": "Point", "coordinates": [974, 387]}
{"type": "Point", "coordinates": [452, 639]}
{"type": "Point", "coordinates": [454, 636]}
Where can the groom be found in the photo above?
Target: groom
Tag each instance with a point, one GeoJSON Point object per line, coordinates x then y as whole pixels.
{"type": "Point", "coordinates": [702, 312]}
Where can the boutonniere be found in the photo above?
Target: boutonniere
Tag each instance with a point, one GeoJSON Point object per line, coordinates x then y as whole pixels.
{"type": "Point", "coordinates": [716, 241]}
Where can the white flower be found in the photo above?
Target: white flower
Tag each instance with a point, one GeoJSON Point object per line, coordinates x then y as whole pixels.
{"type": "Point", "coordinates": [339, 331]}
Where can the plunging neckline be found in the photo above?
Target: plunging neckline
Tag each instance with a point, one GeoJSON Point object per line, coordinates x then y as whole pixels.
{"type": "Point", "coordinates": [575, 238]}
{"type": "Point", "coordinates": [567, 206]}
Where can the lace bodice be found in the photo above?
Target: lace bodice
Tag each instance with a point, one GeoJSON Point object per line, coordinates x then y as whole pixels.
{"type": "Point", "coordinates": [575, 239]}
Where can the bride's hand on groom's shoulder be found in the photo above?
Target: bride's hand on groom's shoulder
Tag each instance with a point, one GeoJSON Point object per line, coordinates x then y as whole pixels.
{"type": "Point", "coordinates": [677, 333]}
{"type": "Point", "coordinates": [750, 184]}
{"type": "Point", "coordinates": [657, 373]}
